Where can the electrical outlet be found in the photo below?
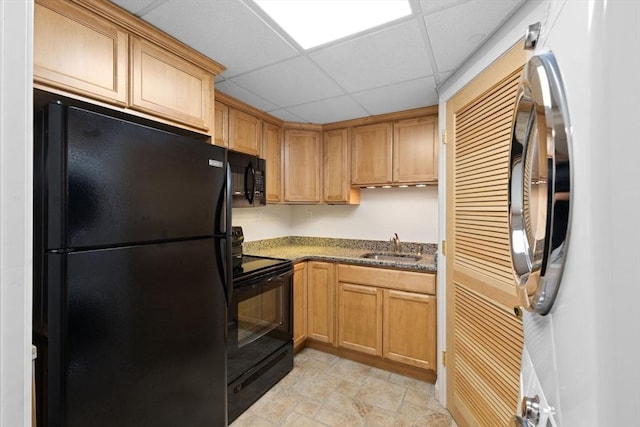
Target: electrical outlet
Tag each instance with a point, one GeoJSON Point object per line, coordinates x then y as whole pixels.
{"type": "Point", "coordinates": [308, 215]}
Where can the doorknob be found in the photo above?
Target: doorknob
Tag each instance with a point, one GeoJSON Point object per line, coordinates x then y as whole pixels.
{"type": "Point", "coordinates": [530, 413]}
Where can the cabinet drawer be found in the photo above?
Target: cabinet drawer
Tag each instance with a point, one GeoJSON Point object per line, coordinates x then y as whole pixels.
{"type": "Point", "coordinates": [386, 278]}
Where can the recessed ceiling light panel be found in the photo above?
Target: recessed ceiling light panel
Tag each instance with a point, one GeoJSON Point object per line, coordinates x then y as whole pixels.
{"type": "Point", "coordinates": [315, 22]}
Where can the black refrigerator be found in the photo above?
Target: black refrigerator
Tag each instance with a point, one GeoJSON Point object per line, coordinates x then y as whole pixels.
{"type": "Point", "coordinates": [131, 256]}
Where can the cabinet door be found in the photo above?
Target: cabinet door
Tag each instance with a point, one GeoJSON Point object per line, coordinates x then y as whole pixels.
{"type": "Point", "coordinates": [221, 125]}
{"type": "Point", "coordinates": [372, 151]}
{"type": "Point", "coordinates": [336, 169]}
{"type": "Point", "coordinates": [165, 85]}
{"type": "Point", "coordinates": [272, 152]}
{"type": "Point", "coordinates": [299, 304]}
{"type": "Point", "coordinates": [321, 301]}
{"type": "Point", "coordinates": [245, 132]}
{"type": "Point", "coordinates": [302, 157]}
{"type": "Point", "coordinates": [415, 150]}
{"type": "Point", "coordinates": [360, 318]}
{"type": "Point", "coordinates": [409, 328]}
{"type": "Point", "coordinates": [79, 52]}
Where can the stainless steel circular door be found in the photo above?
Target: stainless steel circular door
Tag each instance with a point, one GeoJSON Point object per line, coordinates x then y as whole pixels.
{"type": "Point", "coordinates": [540, 184]}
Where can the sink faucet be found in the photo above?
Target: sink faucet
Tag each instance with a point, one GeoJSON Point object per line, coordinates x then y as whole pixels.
{"type": "Point", "coordinates": [395, 240]}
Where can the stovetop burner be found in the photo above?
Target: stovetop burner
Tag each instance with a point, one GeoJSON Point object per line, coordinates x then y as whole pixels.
{"type": "Point", "coordinates": [254, 268]}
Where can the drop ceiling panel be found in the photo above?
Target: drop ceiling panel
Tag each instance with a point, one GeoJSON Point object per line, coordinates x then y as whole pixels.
{"type": "Point", "coordinates": [292, 82]}
{"type": "Point", "coordinates": [134, 6]}
{"type": "Point", "coordinates": [286, 116]}
{"type": "Point", "coordinates": [391, 55]}
{"type": "Point", "coordinates": [398, 97]}
{"type": "Point", "coordinates": [231, 89]}
{"type": "Point", "coordinates": [455, 33]}
{"type": "Point", "coordinates": [226, 31]}
{"type": "Point", "coordinates": [329, 110]}
{"type": "Point", "coordinates": [432, 6]}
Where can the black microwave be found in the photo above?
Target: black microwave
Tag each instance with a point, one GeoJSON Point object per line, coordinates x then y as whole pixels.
{"type": "Point", "coordinates": [247, 180]}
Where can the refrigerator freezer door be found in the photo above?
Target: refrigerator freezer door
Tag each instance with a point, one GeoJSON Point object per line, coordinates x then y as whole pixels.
{"type": "Point", "coordinates": [112, 182]}
{"type": "Point", "coordinates": [143, 336]}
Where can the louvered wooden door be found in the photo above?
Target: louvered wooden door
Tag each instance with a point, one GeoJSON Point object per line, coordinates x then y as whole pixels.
{"type": "Point", "coordinates": [484, 337]}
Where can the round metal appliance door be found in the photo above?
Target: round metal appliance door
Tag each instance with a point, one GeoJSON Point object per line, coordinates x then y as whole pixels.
{"type": "Point", "coordinates": [539, 184]}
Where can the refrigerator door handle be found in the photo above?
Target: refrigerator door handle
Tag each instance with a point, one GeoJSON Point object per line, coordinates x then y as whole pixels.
{"type": "Point", "coordinates": [227, 232]}
{"type": "Point", "coordinates": [223, 233]}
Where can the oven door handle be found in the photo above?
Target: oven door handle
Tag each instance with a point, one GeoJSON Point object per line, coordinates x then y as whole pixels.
{"type": "Point", "coordinates": [280, 276]}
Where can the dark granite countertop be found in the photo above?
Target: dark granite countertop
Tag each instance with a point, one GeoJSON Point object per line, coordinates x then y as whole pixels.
{"type": "Point", "coordinates": [349, 251]}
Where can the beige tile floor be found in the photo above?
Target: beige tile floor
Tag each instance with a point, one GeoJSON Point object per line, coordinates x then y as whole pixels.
{"type": "Point", "coordinates": [325, 390]}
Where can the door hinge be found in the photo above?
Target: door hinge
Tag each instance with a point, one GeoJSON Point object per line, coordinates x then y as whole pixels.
{"type": "Point", "coordinates": [443, 138]}
{"type": "Point", "coordinates": [444, 247]}
{"type": "Point", "coordinates": [444, 358]}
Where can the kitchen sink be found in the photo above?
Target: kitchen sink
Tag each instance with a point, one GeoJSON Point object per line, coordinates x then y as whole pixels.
{"type": "Point", "coordinates": [396, 257]}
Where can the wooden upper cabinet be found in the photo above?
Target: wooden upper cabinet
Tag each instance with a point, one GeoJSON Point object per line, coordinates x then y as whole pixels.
{"type": "Point", "coordinates": [95, 51]}
{"type": "Point", "coordinates": [221, 124]}
{"type": "Point", "coordinates": [166, 85]}
{"type": "Point", "coordinates": [78, 52]}
{"type": "Point", "coordinates": [272, 153]}
{"type": "Point", "coordinates": [336, 169]}
{"type": "Point", "coordinates": [371, 153]}
{"type": "Point", "coordinates": [399, 152]}
{"type": "Point", "coordinates": [245, 132]}
{"type": "Point", "coordinates": [302, 157]}
{"type": "Point", "coordinates": [415, 150]}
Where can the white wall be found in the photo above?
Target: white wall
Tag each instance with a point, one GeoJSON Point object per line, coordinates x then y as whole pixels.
{"type": "Point", "coordinates": [16, 146]}
{"type": "Point", "coordinates": [411, 212]}
{"type": "Point", "coordinates": [263, 223]}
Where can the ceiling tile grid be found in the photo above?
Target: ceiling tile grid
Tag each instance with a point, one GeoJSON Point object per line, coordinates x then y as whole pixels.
{"type": "Point", "coordinates": [456, 32]}
{"type": "Point", "coordinates": [400, 96]}
{"type": "Point", "coordinates": [392, 55]}
{"type": "Point", "coordinates": [392, 67]}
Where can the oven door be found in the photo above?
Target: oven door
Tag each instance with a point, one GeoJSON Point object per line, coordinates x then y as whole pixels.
{"type": "Point", "coordinates": [260, 322]}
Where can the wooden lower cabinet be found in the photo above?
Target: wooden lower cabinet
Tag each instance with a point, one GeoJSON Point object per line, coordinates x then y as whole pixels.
{"type": "Point", "coordinates": [360, 318]}
{"type": "Point", "coordinates": [299, 304]}
{"type": "Point", "coordinates": [409, 328]}
{"type": "Point", "coordinates": [383, 317]}
{"type": "Point", "coordinates": [388, 313]}
{"type": "Point", "coordinates": [321, 285]}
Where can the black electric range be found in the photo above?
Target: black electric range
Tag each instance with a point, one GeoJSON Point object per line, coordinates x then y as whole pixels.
{"type": "Point", "coordinates": [260, 326]}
